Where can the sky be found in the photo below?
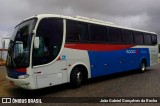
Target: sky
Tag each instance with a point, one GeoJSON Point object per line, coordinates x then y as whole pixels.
{"type": "Point", "coordinates": [139, 14]}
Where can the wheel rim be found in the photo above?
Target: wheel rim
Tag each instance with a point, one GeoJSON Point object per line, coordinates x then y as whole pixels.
{"type": "Point", "coordinates": [79, 77]}
{"type": "Point", "coordinates": [143, 67]}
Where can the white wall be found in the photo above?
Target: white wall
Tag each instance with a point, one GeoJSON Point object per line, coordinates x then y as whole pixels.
{"type": "Point", "coordinates": [3, 54]}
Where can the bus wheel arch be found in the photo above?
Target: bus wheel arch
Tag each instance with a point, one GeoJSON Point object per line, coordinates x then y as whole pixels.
{"type": "Point", "coordinates": [143, 65]}
{"type": "Point", "coordinates": [78, 75]}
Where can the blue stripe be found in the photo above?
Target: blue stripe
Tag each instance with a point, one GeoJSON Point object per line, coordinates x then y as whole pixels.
{"type": "Point", "coordinates": [13, 73]}
{"type": "Point", "coordinates": [104, 63]}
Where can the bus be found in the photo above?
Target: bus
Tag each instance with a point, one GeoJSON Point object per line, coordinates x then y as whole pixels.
{"type": "Point", "coordinates": [47, 50]}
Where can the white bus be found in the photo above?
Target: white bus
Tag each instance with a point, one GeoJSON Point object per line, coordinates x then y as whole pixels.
{"type": "Point", "coordinates": [47, 50]}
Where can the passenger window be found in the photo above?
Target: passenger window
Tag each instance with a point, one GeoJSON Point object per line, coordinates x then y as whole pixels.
{"type": "Point", "coordinates": [77, 32]}
{"type": "Point", "coordinates": [154, 39]}
{"type": "Point", "coordinates": [147, 39]}
{"type": "Point", "coordinates": [115, 35]}
{"type": "Point", "coordinates": [98, 33]}
{"type": "Point", "coordinates": [138, 37]}
{"type": "Point", "coordinates": [127, 36]}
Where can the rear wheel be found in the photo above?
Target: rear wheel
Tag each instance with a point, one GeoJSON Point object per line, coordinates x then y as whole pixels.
{"type": "Point", "coordinates": [143, 66]}
{"type": "Point", "coordinates": [76, 77]}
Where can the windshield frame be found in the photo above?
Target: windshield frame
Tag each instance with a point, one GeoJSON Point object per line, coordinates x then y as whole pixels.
{"type": "Point", "coordinates": [11, 48]}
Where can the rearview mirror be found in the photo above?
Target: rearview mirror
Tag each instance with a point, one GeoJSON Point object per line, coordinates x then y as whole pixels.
{"type": "Point", "coordinates": [36, 42]}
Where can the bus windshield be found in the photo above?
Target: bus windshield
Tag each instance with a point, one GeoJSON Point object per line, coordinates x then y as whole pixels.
{"type": "Point", "coordinates": [19, 48]}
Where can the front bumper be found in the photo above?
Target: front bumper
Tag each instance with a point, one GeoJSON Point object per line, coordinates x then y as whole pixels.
{"type": "Point", "coordinates": [27, 83]}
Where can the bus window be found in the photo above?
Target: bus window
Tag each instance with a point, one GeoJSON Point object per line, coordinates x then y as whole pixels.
{"type": "Point", "coordinates": [154, 39]}
{"type": "Point", "coordinates": [83, 33]}
{"type": "Point", "coordinates": [77, 32]}
{"type": "Point", "coordinates": [71, 32]}
{"type": "Point", "coordinates": [138, 37]}
{"type": "Point", "coordinates": [114, 35]}
{"type": "Point", "coordinates": [147, 39]}
{"type": "Point", "coordinates": [127, 36]}
{"type": "Point", "coordinates": [98, 33]}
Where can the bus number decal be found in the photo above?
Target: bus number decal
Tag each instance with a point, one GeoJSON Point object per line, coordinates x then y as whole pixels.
{"type": "Point", "coordinates": [132, 51]}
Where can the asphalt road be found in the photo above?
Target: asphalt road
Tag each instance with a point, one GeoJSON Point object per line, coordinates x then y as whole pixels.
{"type": "Point", "coordinates": [128, 84]}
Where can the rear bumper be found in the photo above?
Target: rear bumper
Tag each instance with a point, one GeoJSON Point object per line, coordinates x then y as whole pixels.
{"type": "Point", "coordinates": [23, 83]}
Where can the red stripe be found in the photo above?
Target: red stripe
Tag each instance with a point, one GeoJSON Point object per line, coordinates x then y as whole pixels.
{"type": "Point", "coordinates": [98, 47]}
{"type": "Point", "coordinates": [21, 70]}
{"type": "Point", "coordinates": [3, 49]}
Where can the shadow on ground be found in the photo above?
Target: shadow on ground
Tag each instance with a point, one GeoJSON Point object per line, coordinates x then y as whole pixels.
{"type": "Point", "coordinates": [19, 92]}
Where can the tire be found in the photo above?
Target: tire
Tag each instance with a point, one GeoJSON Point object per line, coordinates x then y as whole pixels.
{"type": "Point", "coordinates": [143, 66]}
{"type": "Point", "coordinates": [76, 77]}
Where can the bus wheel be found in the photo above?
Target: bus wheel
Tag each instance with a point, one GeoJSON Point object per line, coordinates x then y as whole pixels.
{"type": "Point", "coordinates": [76, 77]}
{"type": "Point", "coordinates": [143, 66]}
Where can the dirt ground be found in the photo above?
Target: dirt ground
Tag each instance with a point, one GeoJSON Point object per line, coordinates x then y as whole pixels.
{"type": "Point", "coordinates": [2, 73]}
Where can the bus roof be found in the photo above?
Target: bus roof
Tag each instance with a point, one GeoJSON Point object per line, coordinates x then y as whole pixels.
{"type": "Point", "coordinates": [88, 20]}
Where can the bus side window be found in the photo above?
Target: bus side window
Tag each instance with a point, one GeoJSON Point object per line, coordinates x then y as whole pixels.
{"type": "Point", "coordinates": [98, 33]}
{"type": "Point", "coordinates": [83, 32]}
{"type": "Point", "coordinates": [127, 36]}
{"type": "Point", "coordinates": [71, 32]}
{"type": "Point", "coordinates": [115, 35]}
{"type": "Point", "coordinates": [77, 32]}
{"type": "Point", "coordinates": [147, 39]}
{"type": "Point", "coordinates": [138, 37]}
{"type": "Point", "coordinates": [154, 39]}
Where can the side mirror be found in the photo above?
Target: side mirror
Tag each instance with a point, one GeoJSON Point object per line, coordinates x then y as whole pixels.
{"type": "Point", "coordinates": [36, 42]}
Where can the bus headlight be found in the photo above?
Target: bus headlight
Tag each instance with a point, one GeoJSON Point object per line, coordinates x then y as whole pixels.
{"type": "Point", "coordinates": [23, 76]}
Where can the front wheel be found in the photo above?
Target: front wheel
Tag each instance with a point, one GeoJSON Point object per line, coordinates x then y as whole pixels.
{"type": "Point", "coordinates": [143, 66]}
{"type": "Point", "coordinates": [76, 77]}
